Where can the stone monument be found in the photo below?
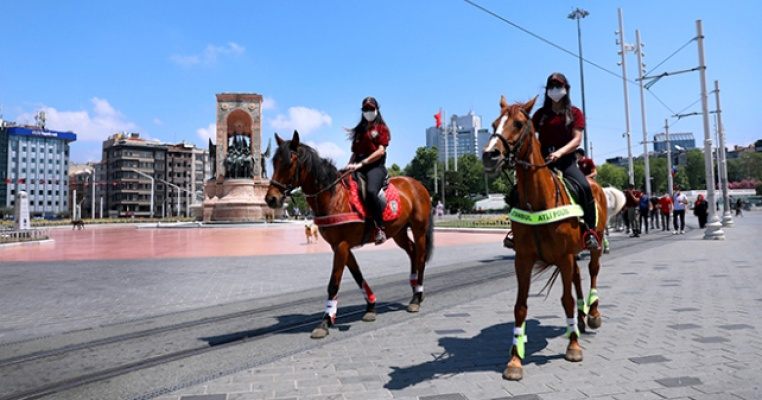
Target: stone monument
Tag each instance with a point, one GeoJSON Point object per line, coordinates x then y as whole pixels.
{"type": "Point", "coordinates": [21, 212]}
{"type": "Point", "coordinates": [236, 191]}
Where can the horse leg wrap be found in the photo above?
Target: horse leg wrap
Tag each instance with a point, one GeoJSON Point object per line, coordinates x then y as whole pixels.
{"type": "Point", "coordinates": [571, 327]}
{"type": "Point", "coordinates": [413, 280]}
{"type": "Point", "coordinates": [519, 340]}
{"type": "Point", "coordinates": [582, 307]}
{"type": "Point", "coordinates": [370, 297]}
{"type": "Point", "coordinates": [331, 307]}
{"type": "Point", "coordinates": [592, 297]}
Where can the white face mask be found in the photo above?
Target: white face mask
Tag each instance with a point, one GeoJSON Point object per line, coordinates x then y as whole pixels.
{"type": "Point", "coordinates": [556, 94]}
{"type": "Point", "coordinates": [370, 115]}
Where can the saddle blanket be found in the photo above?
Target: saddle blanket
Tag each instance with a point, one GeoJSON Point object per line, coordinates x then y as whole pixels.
{"type": "Point", "coordinates": [391, 210]}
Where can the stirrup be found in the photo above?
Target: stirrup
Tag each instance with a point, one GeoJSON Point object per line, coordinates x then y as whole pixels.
{"type": "Point", "coordinates": [380, 236]}
{"type": "Point", "coordinates": [590, 238]}
{"type": "Point", "coordinates": [508, 240]}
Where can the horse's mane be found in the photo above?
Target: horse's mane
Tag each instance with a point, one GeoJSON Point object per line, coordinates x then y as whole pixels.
{"type": "Point", "coordinates": [322, 170]}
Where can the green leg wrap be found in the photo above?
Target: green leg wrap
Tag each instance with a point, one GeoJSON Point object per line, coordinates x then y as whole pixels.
{"type": "Point", "coordinates": [571, 327]}
{"type": "Point", "coordinates": [592, 297]}
{"type": "Point", "coordinates": [582, 306]}
{"type": "Point", "coordinates": [520, 339]}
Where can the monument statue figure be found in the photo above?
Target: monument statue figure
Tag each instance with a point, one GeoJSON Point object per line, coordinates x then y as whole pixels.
{"type": "Point", "coordinates": [239, 162]}
{"type": "Point", "coordinates": [263, 160]}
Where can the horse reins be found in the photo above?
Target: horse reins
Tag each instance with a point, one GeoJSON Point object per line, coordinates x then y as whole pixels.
{"type": "Point", "coordinates": [287, 189]}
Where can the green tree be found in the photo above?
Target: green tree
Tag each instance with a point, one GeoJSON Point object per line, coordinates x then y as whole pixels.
{"type": "Point", "coordinates": [421, 167]}
{"type": "Point", "coordinates": [395, 170]}
{"type": "Point", "coordinates": [456, 193]}
{"type": "Point", "coordinates": [472, 172]}
{"type": "Point", "coordinates": [750, 165]}
{"type": "Point", "coordinates": [694, 170]}
{"type": "Point", "coordinates": [612, 175]}
{"type": "Point", "coordinates": [298, 201]}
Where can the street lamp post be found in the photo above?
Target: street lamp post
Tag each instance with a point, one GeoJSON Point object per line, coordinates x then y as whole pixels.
{"type": "Point", "coordinates": [623, 48]}
{"type": "Point", "coordinates": [152, 185]}
{"type": "Point", "coordinates": [578, 14]}
{"type": "Point", "coordinates": [727, 217]}
{"type": "Point", "coordinates": [641, 66]}
{"type": "Point", "coordinates": [713, 227]}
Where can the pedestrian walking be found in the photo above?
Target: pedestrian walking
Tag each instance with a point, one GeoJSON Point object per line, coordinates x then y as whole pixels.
{"type": "Point", "coordinates": [739, 207]}
{"type": "Point", "coordinates": [679, 201]}
{"type": "Point", "coordinates": [701, 210]}
{"type": "Point", "coordinates": [655, 212]}
{"type": "Point", "coordinates": [644, 208]}
{"type": "Point", "coordinates": [665, 207]}
{"type": "Point", "coordinates": [631, 204]}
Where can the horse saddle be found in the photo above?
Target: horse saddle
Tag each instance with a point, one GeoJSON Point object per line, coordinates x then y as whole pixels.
{"type": "Point", "coordinates": [388, 195]}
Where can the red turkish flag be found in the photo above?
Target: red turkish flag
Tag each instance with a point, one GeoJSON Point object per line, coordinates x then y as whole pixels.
{"type": "Point", "coordinates": [438, 119]}
{"type": "Point", "coordinates": [8, 181]}
{"type": "Point", "coordinates": [22, 180]}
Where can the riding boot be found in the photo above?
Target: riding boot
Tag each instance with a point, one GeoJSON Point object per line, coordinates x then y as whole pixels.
{"type": "Point", "coordinates": [508, 240]}
{"type": "Point", "coordinates": [380, 235]}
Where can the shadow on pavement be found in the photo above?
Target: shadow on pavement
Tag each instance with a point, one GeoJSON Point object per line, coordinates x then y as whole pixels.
{"type": "Point", "coordinates": [487, 351]}
{"type": "Point", "coordinates": [304, 323]}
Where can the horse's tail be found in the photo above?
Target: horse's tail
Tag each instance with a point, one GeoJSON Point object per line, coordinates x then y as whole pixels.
{"type": "Point", "coordinates": [430, 236]}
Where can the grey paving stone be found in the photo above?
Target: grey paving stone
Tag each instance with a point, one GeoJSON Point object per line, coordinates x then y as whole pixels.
{"type": "Point", "coordinates": [360, 379]}
{"type": "Point", "coordinates": [457, 315]}
{"type": "Point", "coordinates": [685, 309]}
{"type": "Point", "coordinates": [205, 397]}
{"type": "Point", "coordinates": [449, 331]}
{"type": "Point", "coordinates": [679, 381]}
{"type": "Point", "coordinates": [682, 327]}
{"type": "Point", "coordinates": [711, 339]}
{"type": "Point", "coordinates": [448, 396]}
{"type": "Point", "coordinates": [649, 359]}
{"type": "Point", "coordinates": [520, 397]}
{"type": "Point", "coordinates": [735, 327]}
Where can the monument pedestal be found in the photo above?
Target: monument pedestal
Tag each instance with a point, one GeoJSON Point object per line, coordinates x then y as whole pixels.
{"type": "Point", "coordinates": [236, 200]}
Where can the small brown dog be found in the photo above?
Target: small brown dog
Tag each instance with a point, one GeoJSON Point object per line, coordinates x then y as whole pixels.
{"type": "Point", "coordinates": [311, 232]}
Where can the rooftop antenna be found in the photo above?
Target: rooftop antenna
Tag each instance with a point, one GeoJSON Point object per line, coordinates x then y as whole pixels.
{"type": "Point", "coordinates": [40, 119]}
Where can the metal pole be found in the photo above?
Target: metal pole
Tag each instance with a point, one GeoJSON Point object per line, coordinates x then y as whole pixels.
{"type": "Point", "coordinates": [454, 127]}
{"type": "Point", "coordinates": [92, 200]}
{"type": "Point", "coordinates": [436, 184]}
{"type": "Point", "coordinates": [622, 49]}
{"type": "Point", "coordinates": [74, 205]}
{"type": "Point", "coordinates": [713, 227]}
{"type": "Point", "coordinates": [670, 183]}
{"type": "Point", "coordinates": [727, 217]}
{"type": "Point", "coordinates": [646, 165]}
{"type": "Point", "coordinates": [579, 14]}
{"type": "Point", "coordinates": [101, 210]}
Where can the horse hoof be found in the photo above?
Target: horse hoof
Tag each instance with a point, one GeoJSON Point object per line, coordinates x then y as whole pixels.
{"type": "Point", "coordinates": [513, 373]}
{"type": "Point", "coordinates": [594, 322]}
{"type": "Point", "coordinates": [319, 332]}
{"type": "Point", "coordinates": [369, 317]}
{"type": "Point", "coordinates": [413, 308]}
{"type": "Point", "coordinates": [573, 355]}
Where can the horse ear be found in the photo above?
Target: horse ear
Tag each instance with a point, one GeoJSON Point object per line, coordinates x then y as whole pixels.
{"type": "Point", "coordinates": [295, 141]}
{"type": "Point", "coordinates": [529, 105]}
{"type": "Point", "coordinates": [278, 140]}
{"type": "Point", "coordinates": [503, 103]}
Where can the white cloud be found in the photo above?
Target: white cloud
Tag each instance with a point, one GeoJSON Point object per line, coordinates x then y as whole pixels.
{"type": "Point", "coordinates": [268, 103]}
{"type": "Point", "coordinates": [209, 55]}
{"type": "Point", "coordinates": [210, 132]}
{"type": "Point", "coordinates": [329, 150]}
{"type": "Point", "coordinates": [303, 119]}
{"type": "Point", "coordinates": [104, 121]}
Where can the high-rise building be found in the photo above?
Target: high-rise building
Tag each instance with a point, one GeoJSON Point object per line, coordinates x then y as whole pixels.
{"type": "Point", "coordinates": [179, 172]}
{"type": "Point", "coordinates": [684, 140]}
{"type": "Point", "coordinates": [35, 160]}
{"type": "Point", "coordinates": [128, 160]}
{"type": "Point", "coordinates": [464, 135]}
{"type": "Point", "coordinates": [188, 169]}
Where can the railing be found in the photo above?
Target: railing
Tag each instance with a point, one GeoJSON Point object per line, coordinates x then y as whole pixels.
{"type": "Point", "coordinates": [27, 235]}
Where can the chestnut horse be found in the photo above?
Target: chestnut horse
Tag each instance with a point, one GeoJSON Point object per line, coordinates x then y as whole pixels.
{"type": "Point", "coordinates": [298, 165]}
{"type": "Point", "coordinates": [514, 145]}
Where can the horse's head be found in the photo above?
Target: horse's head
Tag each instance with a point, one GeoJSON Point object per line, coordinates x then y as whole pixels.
{"type": "Point", "coordinates": [512, 128]}
{"type": "Point", "coordinates": [286, 171]}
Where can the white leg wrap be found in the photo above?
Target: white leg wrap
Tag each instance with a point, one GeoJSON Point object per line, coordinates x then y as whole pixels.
{"type": "Point", "coordinates": [419, 288]}
{"type": "Point", "coordinates": [331, 307]}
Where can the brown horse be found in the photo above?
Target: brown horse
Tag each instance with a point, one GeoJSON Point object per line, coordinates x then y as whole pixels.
{"type": "Point", "coordinates": [298, 165]}
{"type": "Point", "coordinates": [514, 145]}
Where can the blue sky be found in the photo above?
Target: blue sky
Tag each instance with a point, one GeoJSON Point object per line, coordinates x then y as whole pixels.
{"type": "Point", "coordinates": [154, 67]}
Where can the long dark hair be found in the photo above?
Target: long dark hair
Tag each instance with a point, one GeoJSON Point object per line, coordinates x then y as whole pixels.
{"type": "Point", "coordinates": [362, 126]}
{"type": "Point", "coordinates": [565, 101]}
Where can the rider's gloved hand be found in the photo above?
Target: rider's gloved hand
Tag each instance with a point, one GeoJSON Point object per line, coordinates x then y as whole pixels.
{"type": "Point", "coordinates": [353, 167]}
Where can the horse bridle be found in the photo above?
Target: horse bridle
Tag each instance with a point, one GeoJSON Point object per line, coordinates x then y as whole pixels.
{"type": "Point", "coordinates": [510, 151]}
{"type": "Point", "coordinates": [288, 189]}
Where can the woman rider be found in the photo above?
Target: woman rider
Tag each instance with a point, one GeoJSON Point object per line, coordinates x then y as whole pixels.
{"type": "Point", "coordinates": [370, 138]}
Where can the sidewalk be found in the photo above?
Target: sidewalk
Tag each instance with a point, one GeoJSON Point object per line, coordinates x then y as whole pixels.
{"type": "Point", "coordinates": [681, 321]}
